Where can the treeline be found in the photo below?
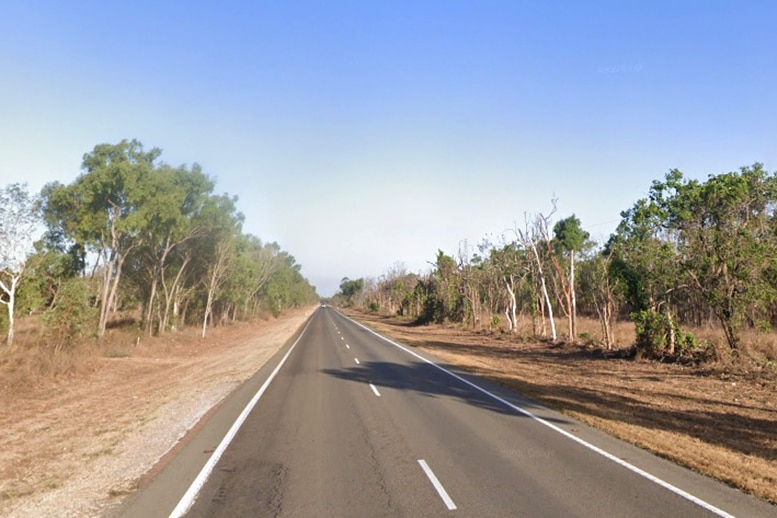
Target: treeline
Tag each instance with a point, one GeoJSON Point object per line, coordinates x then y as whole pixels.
{"type": "Point", "coordinates": [689, 254]}
{"type": "Point", "coordinates": [134, 235]}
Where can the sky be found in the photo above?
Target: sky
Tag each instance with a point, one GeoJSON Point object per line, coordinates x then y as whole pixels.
{"type": "Point", "coordinates": [360, 135]}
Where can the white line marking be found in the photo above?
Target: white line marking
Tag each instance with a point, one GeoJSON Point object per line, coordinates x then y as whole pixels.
{"type": "Point", "coordinates": [436, 483]}
{"type": "Point", "coordinates": [356, 360]}
{"type": "Point", "coordinates": [375, 390]}
{"type": "Point", "coordinates": [347, 346]}
{"type": "Point", "coordinates": [190, 496]}
{"type": "Point", "coordinates": [666, 485]}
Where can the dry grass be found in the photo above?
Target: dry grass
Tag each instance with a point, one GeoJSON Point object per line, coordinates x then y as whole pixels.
{"type": "Point", "coordinates": [23, 369]}
{"type": "Point", "coordinates": [80, 426]}
{"type": "Point", "coordinates": [719, 419]}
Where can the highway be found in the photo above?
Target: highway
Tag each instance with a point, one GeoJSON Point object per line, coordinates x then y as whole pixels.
{"type": "Point", "coordinates": [345, 423]}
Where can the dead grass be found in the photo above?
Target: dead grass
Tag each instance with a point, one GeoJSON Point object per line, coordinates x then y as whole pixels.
{"type": "Point", "coordinates": [719, 419]}
{"type": "Point", "coordinates": [27, 368]}
{"type": "Point", "coordinates": [66, 412]}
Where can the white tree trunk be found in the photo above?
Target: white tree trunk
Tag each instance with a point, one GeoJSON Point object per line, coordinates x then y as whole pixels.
{"type": "Point", "coordinates": [10, 290]}
{"type": "Point", "coordinates": [573, 331]}
{"type": "Point", "coordinates": [511, 306]}
{"type": "Point", "coordinates": [545, 292]}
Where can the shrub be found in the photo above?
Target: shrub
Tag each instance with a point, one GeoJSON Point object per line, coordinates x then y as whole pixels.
{"type": "Point", "coordinates": [72, 317]}
{"type": "Point", "coordinates": [655, 333]}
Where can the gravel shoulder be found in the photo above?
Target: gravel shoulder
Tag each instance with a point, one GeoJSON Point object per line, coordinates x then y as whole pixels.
{"type": "Point", "coordinates": [75, 447]}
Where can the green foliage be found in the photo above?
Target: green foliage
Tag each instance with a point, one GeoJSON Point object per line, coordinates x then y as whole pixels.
{"type": "Point", "coordinates": [653, 330]}
{"type": "Point", "coordinates": [715, 238]}
{"type": "Point", "coordinates": [570, 234]}
{"type": "Point", "coordinates": [287, 288]}
{"type": "Point", "coordinates": [659, 335]}
{"type": "Point", "coordinates": [72, 316]}
{"type": "Point", "coordinates": [350, 290]}
{"type": "Point", "coordinates": [448, 301]}
{"type": "Point", "coordinates": [175, 246]}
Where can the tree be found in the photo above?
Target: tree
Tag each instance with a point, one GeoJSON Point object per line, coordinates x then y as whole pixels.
{"type": "Point", "coordinates": [19, 219]}
{"type": "Point", "coordinates": [645, 261]}
{"type": "Point", "coordinates": [599, 289]}
{"type": "Point", "coordinates": [216, 250]}
{"type": "Point", "coordinates": [180, 194]}
{"type": "Point", "coordinates": [713, 239]}
{"type": "Point", "coordinates": [534, 234]}
{"type": "Point", "coordinates": [571, 237]}
{"type": "Point", "coordinates": [105, 210]}
{"type": "Point", "coordinates": [287, 288]}
{"type": "Point", "coordinates": [509, 262]}
{"type": "Point", "coordinates": [726, 236]}
{"type": "Point", "coordinates": [350, 289]}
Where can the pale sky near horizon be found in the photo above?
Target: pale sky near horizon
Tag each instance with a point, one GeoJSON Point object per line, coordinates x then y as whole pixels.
{"type": "Point", "coordinates": [364, 133]}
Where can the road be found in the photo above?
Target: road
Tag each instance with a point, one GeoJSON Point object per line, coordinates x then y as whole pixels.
{"type": "Point", "coordinates": [343, 422]}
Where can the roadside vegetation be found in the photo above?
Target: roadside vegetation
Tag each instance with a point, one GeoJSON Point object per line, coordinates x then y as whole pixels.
{"type": "Point", "coordinates": [663, 335]}
{"type": "Point", "coordinates": [132, 247]}
{"type": "Point", "coordinates": [691, 255]}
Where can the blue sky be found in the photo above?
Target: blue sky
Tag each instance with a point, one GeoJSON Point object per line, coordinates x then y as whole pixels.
{"type": "Point", "coordinates": [359, 134]}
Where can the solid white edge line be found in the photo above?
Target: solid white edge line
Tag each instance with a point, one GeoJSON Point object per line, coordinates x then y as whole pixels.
{"type": "Point", "coordinates": [187, 500]}
{"type": "Point", "coordinates": [666, 485]}
{"type": "Point", "coordinates": [375, 390]}
{"type": "Point", "coordinates": [436, 483]}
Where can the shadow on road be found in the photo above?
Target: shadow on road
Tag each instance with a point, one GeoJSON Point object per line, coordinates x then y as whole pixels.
{"type": "Point", "coordinates": [426, 379]}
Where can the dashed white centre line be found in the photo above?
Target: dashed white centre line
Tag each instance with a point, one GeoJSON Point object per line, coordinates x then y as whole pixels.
{"type": "Point", "coordinates": [436, 483]}
{"type": "Point", "coordinates": [631, 467]}
{"type": "Point", "coordinates": [347, 346]}
{"type": "Point", "coordinates": [375, 390]}
{"type": "Point", "coordinates": [356, 360]}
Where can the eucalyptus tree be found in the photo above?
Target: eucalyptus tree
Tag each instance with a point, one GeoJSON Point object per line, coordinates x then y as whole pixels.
{"type": "Point", "coordinates": [645, 259]}
{"type": "Point", "coordinates": [180, 194]}
{"type": "Point", "coordinates": [216, 248]}
{"type": "Point", "coordinates": [105, 210]}
{"type": "Point", "coordinates": [535, 233]}
{"type": "Point", "coordinates": [448, 301]}
{"type": "Point", "coordinates": [715, 238]}
{"type": "Point", "coordinates": [351, 290]}
{"type": "Point", "coordinates": [727, 238]}
{"type": "Point", "coordinates": [509, 262]}
{"type": "Point", "coordinates": [570, 238]}
{"type": "Point", "coordinates": [287, 288]}
{"type": "Point", "coordinates": [600, 289]}
{"type": "Point", "coordinates": [253, 266]}
{"type": "Point", "coordinates": [19, 220]}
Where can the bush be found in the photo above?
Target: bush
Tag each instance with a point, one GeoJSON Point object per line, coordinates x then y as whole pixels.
{"type": "Point", "coordinates": [654, 335]}
{"type": "Point", "coordinates": [72, 317]}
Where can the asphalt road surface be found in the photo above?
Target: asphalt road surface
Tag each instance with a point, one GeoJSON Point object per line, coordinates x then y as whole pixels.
{"type": "Point", "coordinates": [344, 423]}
